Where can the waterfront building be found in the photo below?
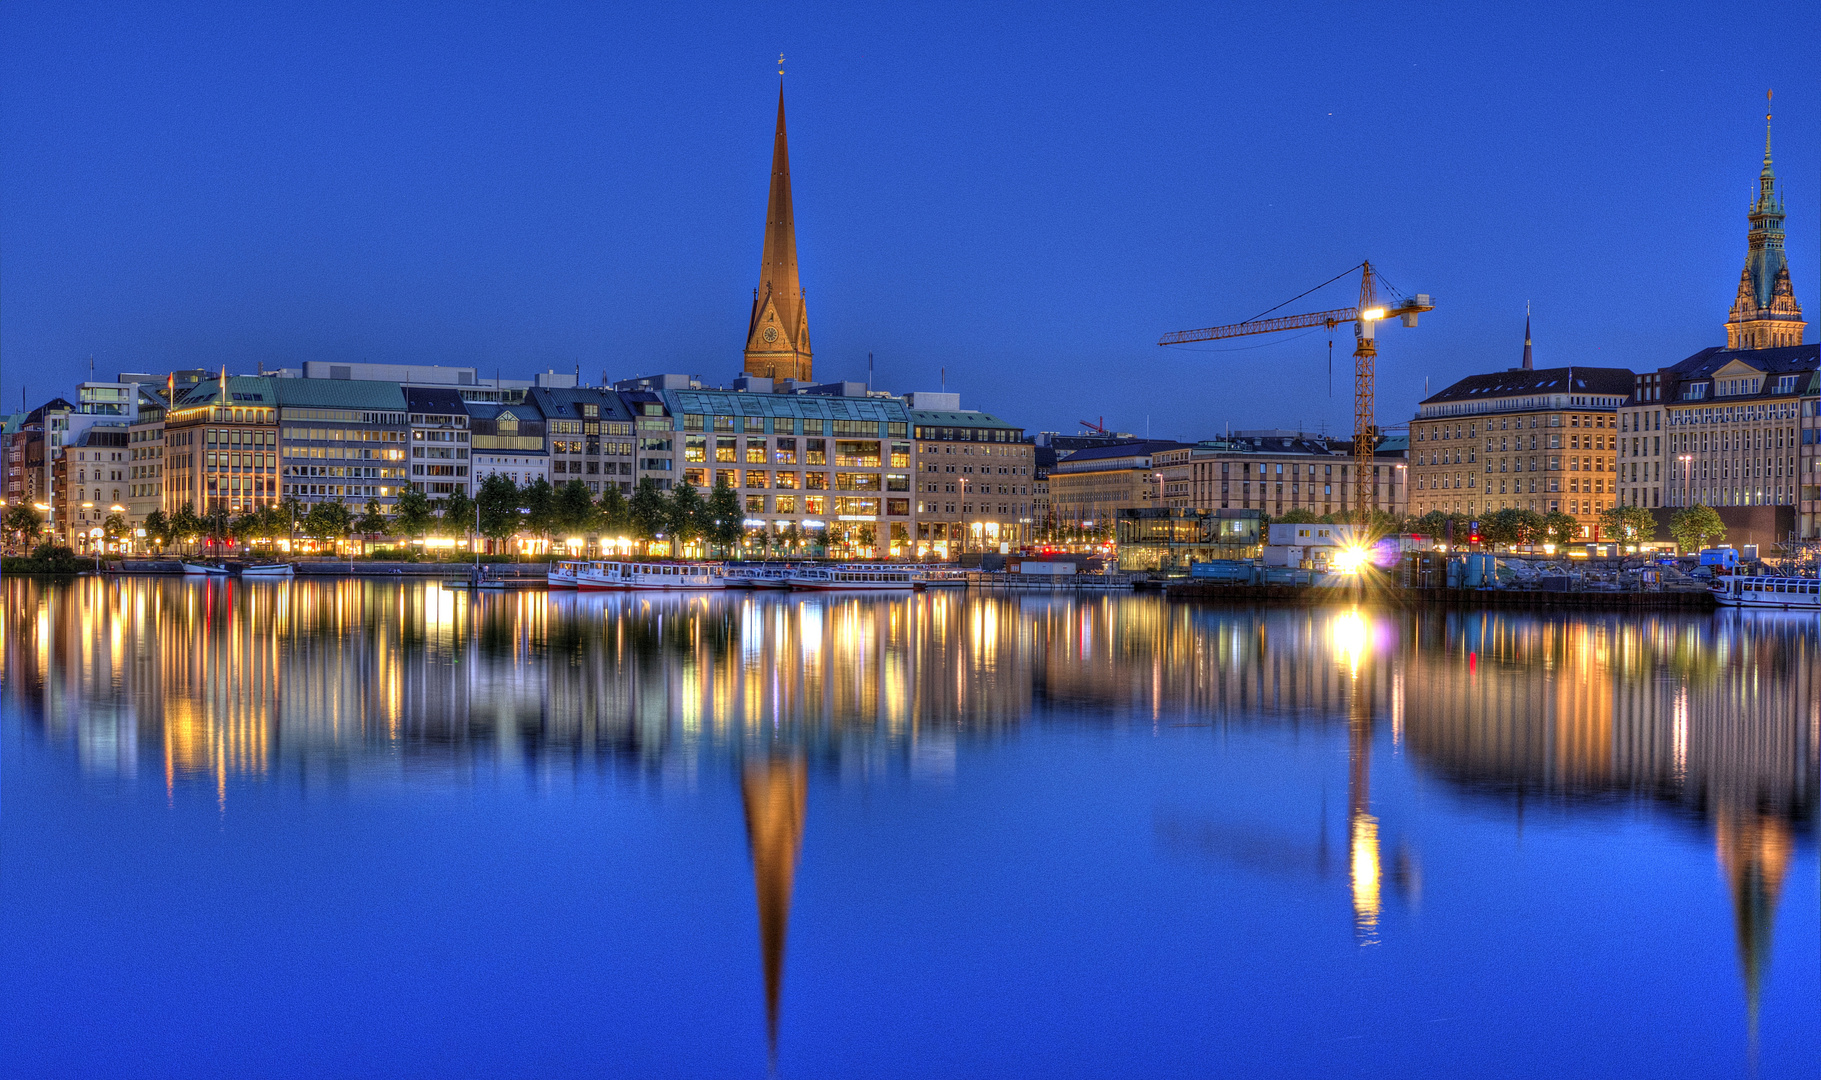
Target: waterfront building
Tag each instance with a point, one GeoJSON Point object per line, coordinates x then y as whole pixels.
{"type": "Point", "coordinates": [1043, 511]}
{"type": "Point", "coordinates": [655, 451]}
{"type": "Point", "coordinates": [344, 440]}
{"type": "Point", "coordinates": [34, 444]}
{"type": "Point", "coordinates": [1541, 439]}
{"type": "Point", "coordinates": [777, 334]}
{"type": "Point", "coordinates": [508, 439]}
{"type": "Point", "coordinates": [1089, 486]}
{"type": "Point", "coordinates": [221, 445]}
{"type": "Point", "coordinates": [145, 458]}
{"type": "Point", "coordinates": [11, 478]}
{"type": "Point", "coordinates": [591, 437]}
{"type": "Point", "coordinates": [1162, 539]}
{"type": "Point", "coordinates": [1723, 428]}
{"type": "Point", "coordinates": [1278, 471]}
{"type": "Point", "coordinates": [440, 462]}
{"type": "Point", "coordinates": [835, 464]}
{"type": "Point", "coordinates": [92, 476]}
{"type": "Point", "coordinates": [91, 482]}
{"type": "Point", "coordinates": [974, 480]}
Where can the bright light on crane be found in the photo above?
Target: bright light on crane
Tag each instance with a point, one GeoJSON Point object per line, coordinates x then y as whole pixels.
{"type": "Point", "coordinates": [1374, 314]}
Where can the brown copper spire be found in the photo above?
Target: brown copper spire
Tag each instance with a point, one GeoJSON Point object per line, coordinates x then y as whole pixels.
{"type": "Point", "coordinates": [777, 339]}
{"type": "Point", "coordinates": [774, 791]}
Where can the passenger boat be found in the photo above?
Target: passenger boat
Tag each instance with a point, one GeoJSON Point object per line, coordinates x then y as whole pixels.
{"type": "Point", "coordinates": [565, 575]}
{"type": "Point", "coordinates": [268, 570]}
{"type": "Point", "coordinates": [197, 569]}
{"type": "Point", "coordinates": [759, 576]}
{"type": "Point", "coordinates": [1769, 592]}
{"type": "Point", "coordinates": [597, 577]}
{"type": "Point", "coordinates": [655, 575]}
{"type": "Point", "coordinates": [856, 578]}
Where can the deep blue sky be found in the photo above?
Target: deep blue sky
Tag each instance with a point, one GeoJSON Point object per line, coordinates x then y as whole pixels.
{"type": "Point", "coordinates": [1027, 196]}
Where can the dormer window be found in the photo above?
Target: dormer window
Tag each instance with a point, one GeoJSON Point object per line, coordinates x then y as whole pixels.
{"type": "Point", "coordinates": [1786, 384]}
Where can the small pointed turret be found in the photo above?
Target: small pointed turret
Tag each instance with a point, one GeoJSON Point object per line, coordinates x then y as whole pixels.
{"type": "Point", "coordinates": [777, 336]}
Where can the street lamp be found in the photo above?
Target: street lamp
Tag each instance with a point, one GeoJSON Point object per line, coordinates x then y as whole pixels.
{"type": "Point", "coordinates": [1687, 463]}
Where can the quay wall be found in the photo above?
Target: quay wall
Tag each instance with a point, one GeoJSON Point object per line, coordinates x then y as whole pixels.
{"type": "Point", "coordinates": [1689, 600]}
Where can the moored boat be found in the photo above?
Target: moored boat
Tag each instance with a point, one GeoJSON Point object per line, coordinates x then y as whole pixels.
{"type": "Point", "coordinates": [759, 576]}
{"type": "Point", "coordinates": [860, 578]}
{"type": "Point", "coordinates": [599, 577]}
{"type": "Point", "coordinates": [566, 575]}
{"type": "Point", "coordinates": [1787, 593]}
{"type": "Point", "coordinates": [652, 575]}
{"type": "Point", "coordinates": [268, 570]}
{"type": "Point", "coordinates": [200, 569]}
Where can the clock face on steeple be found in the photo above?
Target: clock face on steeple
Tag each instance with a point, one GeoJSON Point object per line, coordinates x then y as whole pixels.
{"type": "Point", "coordinates": [770, 334]}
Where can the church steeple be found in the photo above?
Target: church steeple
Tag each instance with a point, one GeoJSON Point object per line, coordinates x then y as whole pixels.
{"type": "Point", "coordinates": [1765, 314]}
{"type": "Point", "coordinates": [1529, 365]}
{"type": "Point", "coordinates": [777, 338]}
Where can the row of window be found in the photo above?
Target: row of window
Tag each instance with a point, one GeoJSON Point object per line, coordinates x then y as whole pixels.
{"type": "Point", "coordinates": [763, 478]}
{"type": "Point", "coordinates": [593, 468]}
{"type": "Point", "coordinates": [1741, 414]}
{"type": "Point", "coordinates": [591, 446]}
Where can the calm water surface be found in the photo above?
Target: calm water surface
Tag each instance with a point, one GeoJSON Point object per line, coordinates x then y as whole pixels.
{"type": "Point", "coordinates": [376, 829]}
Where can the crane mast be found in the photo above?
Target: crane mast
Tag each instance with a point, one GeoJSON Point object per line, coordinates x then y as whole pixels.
{"type": "Point", "coordinates": [1365, 318]}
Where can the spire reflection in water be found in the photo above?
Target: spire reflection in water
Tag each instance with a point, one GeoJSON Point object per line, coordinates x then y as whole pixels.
{"type": "Point", "coordinates": [774, 791]}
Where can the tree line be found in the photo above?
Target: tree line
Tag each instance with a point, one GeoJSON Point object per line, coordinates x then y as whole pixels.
{"type": "Point", "coordinates": [499, 510]}
{"type": "Point", "coordinates": [1692, 527]}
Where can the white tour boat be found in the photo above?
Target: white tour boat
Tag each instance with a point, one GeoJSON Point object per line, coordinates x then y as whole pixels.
{"type": "Point", "coordinates": [759, 576]}
{"type": "Point", "coordinates": [654, 575]}
{"type": "Point", "coordinates": [598, 577]}
{"type": "Point", "coordinates": [856, 578]}
{"type": "Point", "coordinates": [1768, 592]}
{"type": "Point", "coordinates": [566, 575]}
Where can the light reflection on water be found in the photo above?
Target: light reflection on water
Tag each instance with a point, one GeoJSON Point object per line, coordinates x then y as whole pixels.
{"type": "Point", "coordinates": [207, 688]}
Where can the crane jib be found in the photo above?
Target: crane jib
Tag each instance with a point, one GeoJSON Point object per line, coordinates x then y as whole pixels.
{"type": "Point", "coordinates": [1329, 319]}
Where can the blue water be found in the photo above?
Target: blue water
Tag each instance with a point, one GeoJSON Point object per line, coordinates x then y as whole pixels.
{"type": "Point", "coordinates": [351, 829]}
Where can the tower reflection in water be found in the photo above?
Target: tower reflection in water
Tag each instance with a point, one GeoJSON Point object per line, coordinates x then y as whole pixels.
{"type": "Point", "coordinates": [205, 685]}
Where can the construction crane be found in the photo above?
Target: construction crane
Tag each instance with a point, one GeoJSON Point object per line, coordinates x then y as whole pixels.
{"type": "Point", "coordinates": [1098, 429]}
{"type": "Point", "coordinates": [1365, 317]}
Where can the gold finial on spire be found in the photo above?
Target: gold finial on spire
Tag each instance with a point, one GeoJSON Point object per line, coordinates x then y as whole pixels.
{"type": "Point", "coordinates": [780, 63]}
